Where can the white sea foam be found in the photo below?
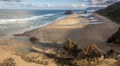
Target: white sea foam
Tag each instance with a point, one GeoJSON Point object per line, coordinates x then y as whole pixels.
{"type": "Point", "coordinates": [23, 20]}
{"type": "Point", "coordinates": [35, 27]}
{"type": "Point", "coordinates": [32, 27]}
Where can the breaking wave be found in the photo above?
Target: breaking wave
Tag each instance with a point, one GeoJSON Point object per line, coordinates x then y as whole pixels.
{"type": "Point", "coordinates": [23, 20]}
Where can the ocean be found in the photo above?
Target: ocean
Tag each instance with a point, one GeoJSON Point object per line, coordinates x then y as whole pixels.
{"type": "Point", "coordinates": [18, 21]}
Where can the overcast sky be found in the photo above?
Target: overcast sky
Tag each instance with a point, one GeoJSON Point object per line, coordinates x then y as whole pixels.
{"type": "Point", "coordinates": [43, 4]}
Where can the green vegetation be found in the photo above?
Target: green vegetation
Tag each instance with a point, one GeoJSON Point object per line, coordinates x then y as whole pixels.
{"type": "Point", "coordinates": [112, 12]}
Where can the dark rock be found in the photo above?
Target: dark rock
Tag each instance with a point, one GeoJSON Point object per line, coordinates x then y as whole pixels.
{"type": "Point", "coordinates": [68, 12]}
{"type": "Point", "coordinates": [70, 46]}
{"type": "Point", "coordinates": [111, 54]}
{"type": "Point", "coordinates": [89, 52]}
{"type": "Point", "coordinates": [88, 56]}
{"type": "Point", "coordinates": [33, 39]}
{"type": "Point", "coordinates": [70, 49]}
{"type": "Point", "coordinates": [115, 38]}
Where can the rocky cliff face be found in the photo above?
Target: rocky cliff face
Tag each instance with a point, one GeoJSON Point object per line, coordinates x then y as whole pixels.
{"type": "Point", "coordinates": [112, 12]}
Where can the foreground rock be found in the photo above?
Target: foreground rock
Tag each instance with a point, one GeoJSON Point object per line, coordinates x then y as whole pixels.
{"type": "Point", "coordinates": [115, 38]}
{"type": "Point", "coordinates": [71, 54]}
{"type": "Point", "coordinates": [89, 52]}
{"type": "Point", "coordinates": [111, 54]}
{"type": "Point", "coordinates": [33, 39]}
{"type": "Point", "coordinates": [68, 12]}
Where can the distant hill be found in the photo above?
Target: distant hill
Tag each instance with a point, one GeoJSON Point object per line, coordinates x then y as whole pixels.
{"type": "Point", "coordinates": [112, 12]}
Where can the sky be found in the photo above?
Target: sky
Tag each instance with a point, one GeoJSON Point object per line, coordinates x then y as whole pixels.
{"type": "Point", "coordinates": [44, 4]}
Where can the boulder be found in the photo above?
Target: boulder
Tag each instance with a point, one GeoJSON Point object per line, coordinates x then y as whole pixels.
{"type": "Point", "coordinates": [68, 12]}
{"type": "Point", "coordinates": [111, 54]}
{"type": "Point", "coordinates": [33, 39]}
{"type": "Point", "coordinates": [115, 38]}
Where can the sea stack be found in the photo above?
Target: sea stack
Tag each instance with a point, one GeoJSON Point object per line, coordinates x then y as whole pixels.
{"type": "Point", "coordinates": [68, 12]}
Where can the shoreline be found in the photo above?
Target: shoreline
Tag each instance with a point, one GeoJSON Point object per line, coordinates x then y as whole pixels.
{"type": "Point", "coordinates": [63, 26]}
{"type": "Point", "coordinates": [31, 28]}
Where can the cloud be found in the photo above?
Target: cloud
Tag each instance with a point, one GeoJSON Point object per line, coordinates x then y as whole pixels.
{"type": "Point", "coordinates": [49, 5]}
{"type": "Point", "coordinates": [74, 5]}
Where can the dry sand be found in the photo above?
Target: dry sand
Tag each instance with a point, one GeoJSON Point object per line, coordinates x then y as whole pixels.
{"type": "Point", "coordinates": [51, 36]}
{"type": "Point", "coordinates": [17, 47]}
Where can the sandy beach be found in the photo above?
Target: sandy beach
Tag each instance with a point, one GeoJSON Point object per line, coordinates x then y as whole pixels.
{"type": "Point", "coordinates": [53, 35]}
{"type": "Point", "coordinates": [82, 34]}
{"type": "Point", "coordinates": [58, 31]}
{"type": "Point", "coordinates": [20, 45]}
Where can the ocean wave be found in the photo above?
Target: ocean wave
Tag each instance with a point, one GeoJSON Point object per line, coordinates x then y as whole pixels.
{"type": "Point", "coordinates": [35, 27]}
{"type": "Point", "coordinates": [23, 20]}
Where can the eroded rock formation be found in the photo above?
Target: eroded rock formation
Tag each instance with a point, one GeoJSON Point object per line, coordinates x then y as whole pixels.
{"type": "Point", "coordinates": [76, 56]}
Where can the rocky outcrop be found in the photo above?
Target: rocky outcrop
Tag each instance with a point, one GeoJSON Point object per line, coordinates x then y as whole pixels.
{"type": "Point", "coordinates": [115, 38]}
{"type": "Point", "coordinates": [75, 56]}
{"type": "Point", "coordinates": [89, 52]}
{"type": "Point", "coordinates": [111, 54]}
{"type": "Point", "coordinates": [70, 49]}
{"type": "Point", "coordinates": [68, 12]}
{"type": "Point", "coordinates": [33, 39]}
